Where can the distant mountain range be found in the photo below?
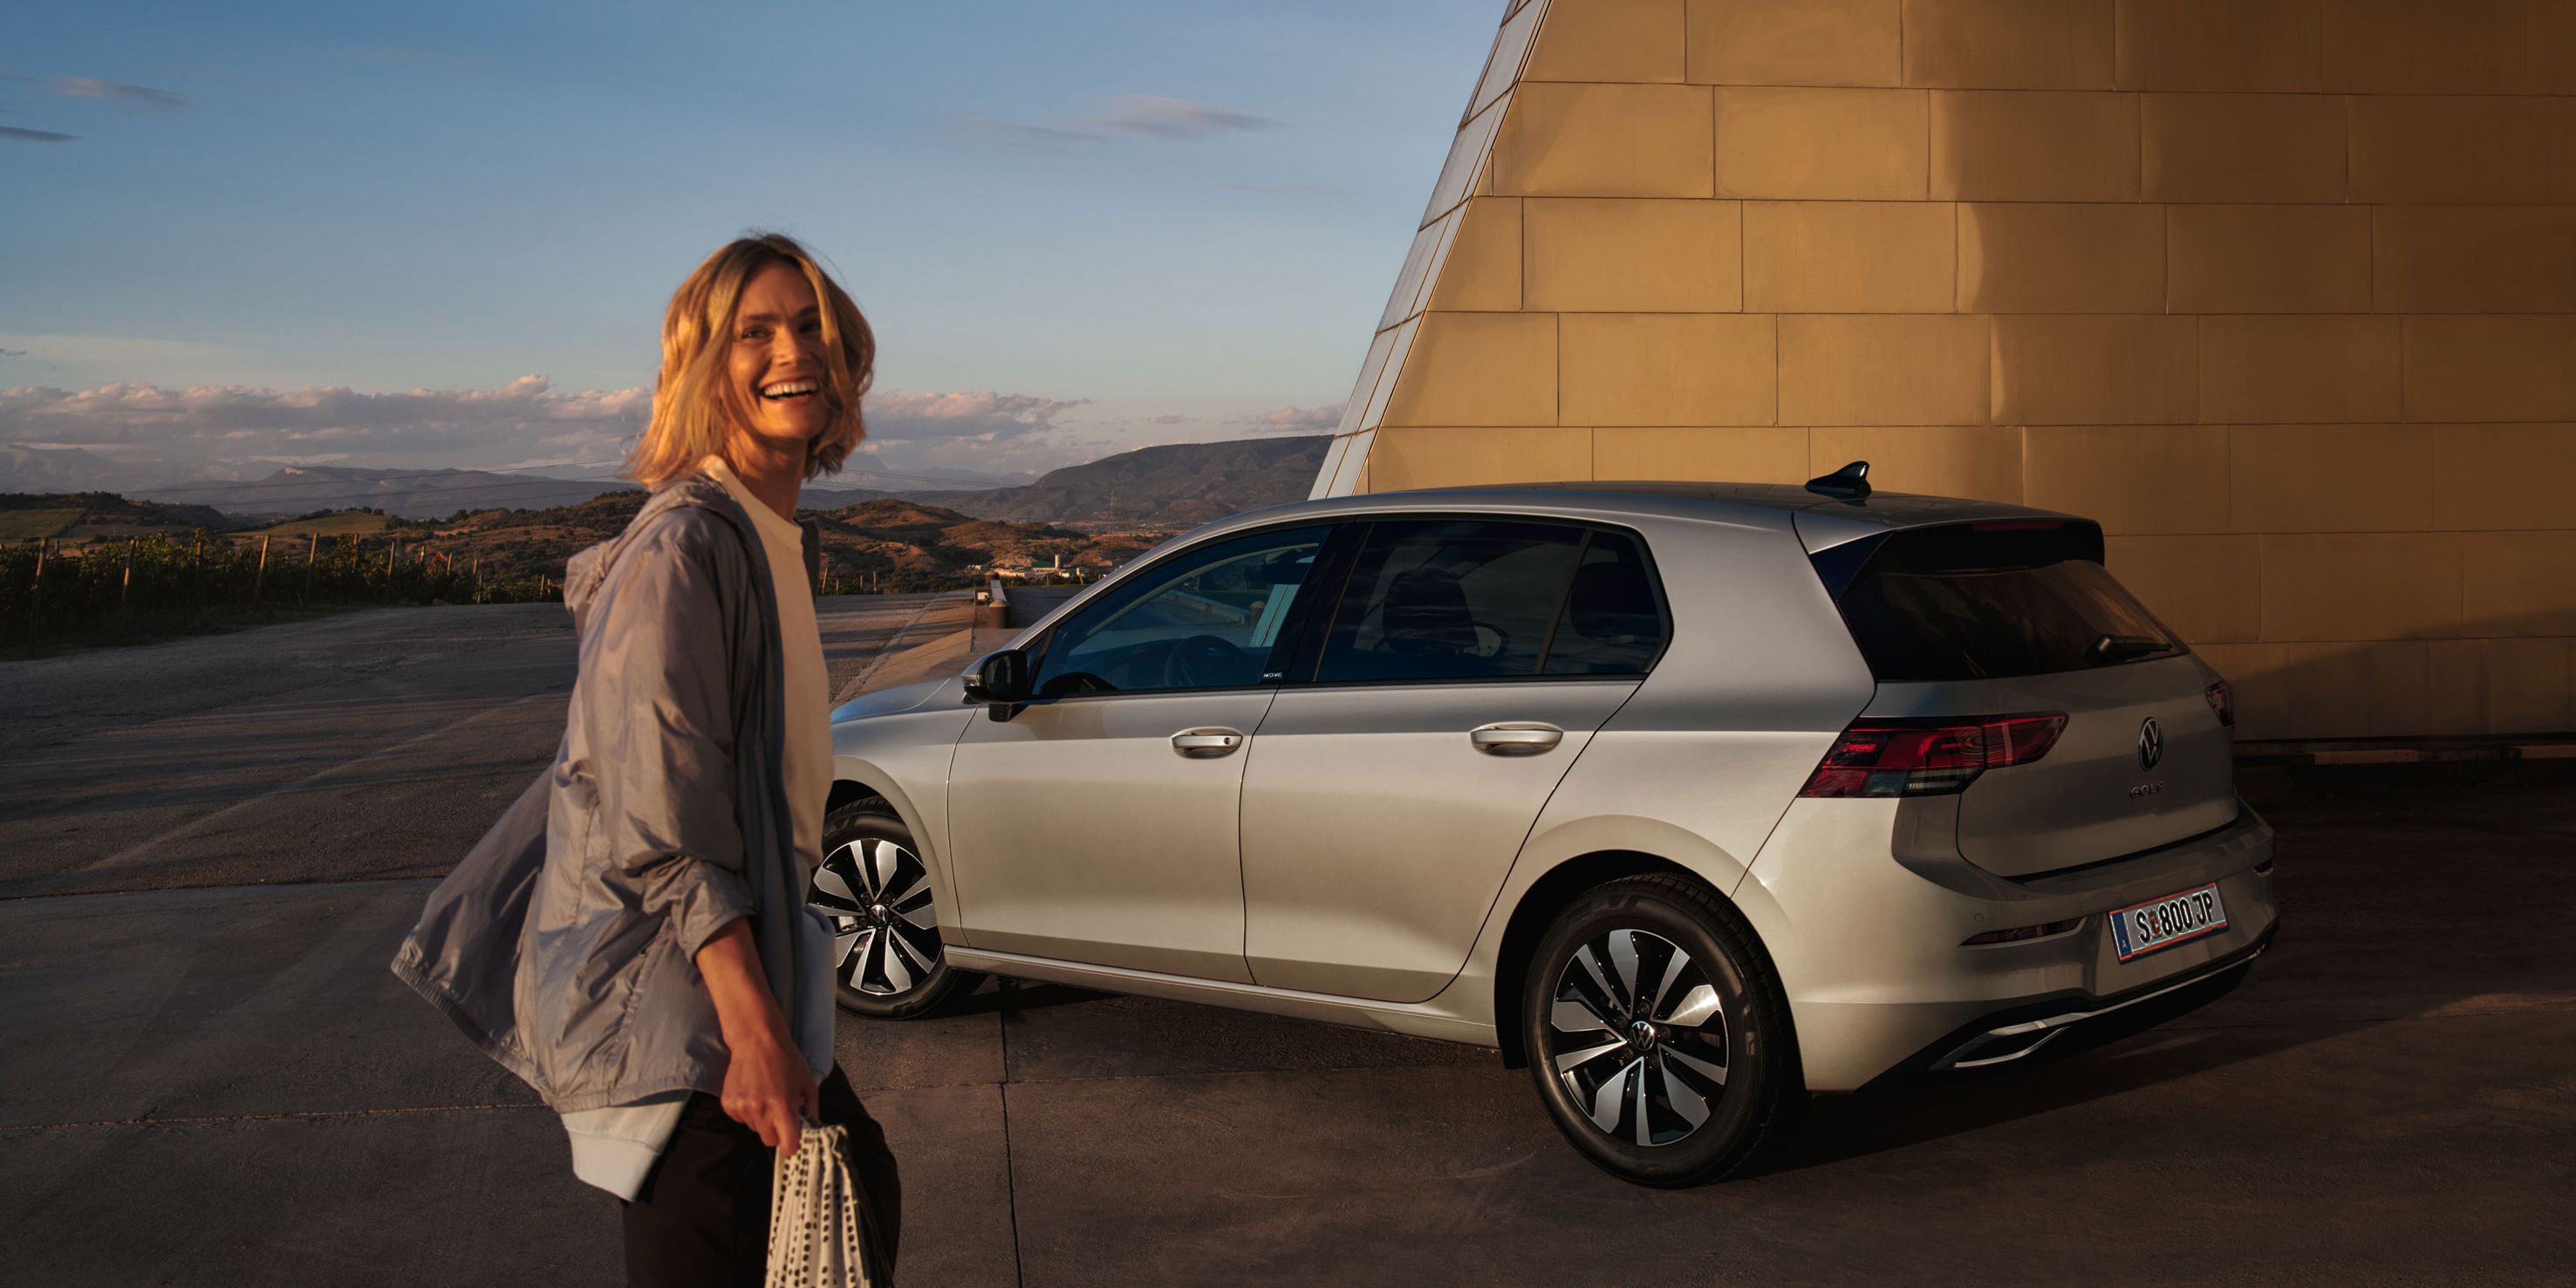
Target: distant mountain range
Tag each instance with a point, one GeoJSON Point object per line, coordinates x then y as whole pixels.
{"type": "Point", "coordinates": [1177, 486]}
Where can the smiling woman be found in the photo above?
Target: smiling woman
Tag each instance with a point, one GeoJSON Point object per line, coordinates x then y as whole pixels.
{"type": "Point", "coordinates": [632, 937]}
{"type": "Point", "coordinates": [758, 335]}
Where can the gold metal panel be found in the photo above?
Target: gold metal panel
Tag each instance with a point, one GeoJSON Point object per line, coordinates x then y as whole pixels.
{"type": "Point", "coordinates": [2521, 583]}
{"type": "Point", "coordinates": [1632, 42]}
{"type": "Point", "coordinates": [1990, 145]}
{"type": "Point", "coordinates": [1832, 144]}
{"type": "Point", "coordinates": [1849, 256]}
{"type": "Point", "coordinates": [1795, 42]}
{"type": "Point", "coordinates": [2474, 259]}
{"type": "Point", "coordinates": [1478, 369]}
{"type": "Point", "coordinates": [1482, 271]}
{"type": "Point", "coordinates": [2208, 588]}
{"type": "Point", "coordinates": [2415, 47]}
{"type": "Point", "coordinates": [2242, 147]}
{"type": "Point", "coordinates": [2318, 370]}
{"type": "Point", "coordinates": [2490, 368]}
{"type": "Point", "coordinates": [2272, 45]}
{"type": "Point", "coordinates": [1735, 454]}
{"type": "Point", "coordinates": [1417, 457]}
{"type": "Point", "coordinates": [2362, 586]}
{"type": "Point", "coordinates": [2330, 478]}
{"type": "Point", "coordinates": [1883, 369]}
{"type": "Point", "coordinates": [2009, 44]}
{"type": "Point", "coordinates": [2268, 259]}
{"type": "Point", "coordinates": [2038, 257]}
{"type": "Point", "coordinates": [1568, 140]}
{"type": "Point", "coordinates": [2476, 150]}
{"type": "Point", "coordinates": [2096, 369]}
{"type": "Point", "coordinates": [2475, 466]}
{"type": "Point", "coordinates": [1594, 254]}
{"type": "Point", "coordinates": [1667, 369]}
{"type": "Point", "coordinates": [2158, 479]}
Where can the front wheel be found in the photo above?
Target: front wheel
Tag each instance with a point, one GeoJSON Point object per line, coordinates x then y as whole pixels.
{"type": "Point", "coordinates": [887, 960]}
{"type": "Point", "coordinates": [1657, 1035]}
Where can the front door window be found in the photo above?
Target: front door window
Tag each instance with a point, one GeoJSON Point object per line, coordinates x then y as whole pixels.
{"type": "Point", "coordinates": [1205, 620]}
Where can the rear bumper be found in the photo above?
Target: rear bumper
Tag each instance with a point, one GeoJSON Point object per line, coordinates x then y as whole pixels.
{"type": "Point", "coordinates": [2057, 1024]}
{"type": "Point", "coordinates": [1866, 919]}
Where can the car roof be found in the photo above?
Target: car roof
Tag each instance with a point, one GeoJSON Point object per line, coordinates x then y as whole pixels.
{"type": "Point", "coordinates": [1822, 519]}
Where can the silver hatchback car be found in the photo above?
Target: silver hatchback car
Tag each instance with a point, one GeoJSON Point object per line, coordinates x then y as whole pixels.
{"type": "Point", "coordinates": [1693, 799]}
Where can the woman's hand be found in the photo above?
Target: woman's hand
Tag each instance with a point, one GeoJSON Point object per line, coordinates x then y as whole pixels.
{"type": "Point", "coordinates": [767, 1083]}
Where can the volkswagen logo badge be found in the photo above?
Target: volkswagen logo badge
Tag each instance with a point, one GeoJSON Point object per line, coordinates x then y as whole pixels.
{"type": "Point", "coordinates": [2151, 743]}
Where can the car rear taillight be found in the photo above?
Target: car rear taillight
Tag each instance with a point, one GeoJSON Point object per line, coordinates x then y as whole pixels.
{"type": "Point", "coordinates": [2222, 700]}
{"type": "Point", "coordinates": [1928, 757]}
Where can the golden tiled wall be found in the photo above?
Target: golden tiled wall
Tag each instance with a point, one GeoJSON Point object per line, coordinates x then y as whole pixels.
{"type": "Point", "coordinates": [2281, 291]}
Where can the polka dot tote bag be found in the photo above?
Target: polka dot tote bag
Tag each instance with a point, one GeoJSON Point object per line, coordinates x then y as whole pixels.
{"type": "Point", "coordinates": [817, 1238]}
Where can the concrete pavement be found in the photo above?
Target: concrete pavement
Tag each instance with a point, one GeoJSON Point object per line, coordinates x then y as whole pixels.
{"type": "Point", "coordinates": [220, 1084]}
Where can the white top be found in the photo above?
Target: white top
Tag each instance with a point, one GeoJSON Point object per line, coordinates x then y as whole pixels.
{"type": "Point", "coordinates": [615, 1147]}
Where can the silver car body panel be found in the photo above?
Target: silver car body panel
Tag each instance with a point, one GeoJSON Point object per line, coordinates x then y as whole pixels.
{"type": "Point", "coordinates": [1352, 792]}
{"type": "Point", "coordinates": [1066, 872]}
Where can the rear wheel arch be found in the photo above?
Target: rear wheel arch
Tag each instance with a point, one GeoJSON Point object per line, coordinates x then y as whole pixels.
{"type": "Point", "coordinates": [1539, 905]}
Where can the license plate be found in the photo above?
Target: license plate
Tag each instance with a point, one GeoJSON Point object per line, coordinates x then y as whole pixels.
{"type": "Point", "coordinates": [2143, 928]}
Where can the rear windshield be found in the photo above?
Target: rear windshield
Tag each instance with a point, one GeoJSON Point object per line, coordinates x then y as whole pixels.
{"type": "Point", "coordinates": [1988, 600]}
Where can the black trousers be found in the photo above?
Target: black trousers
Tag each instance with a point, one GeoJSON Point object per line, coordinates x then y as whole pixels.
{"type": "Point", "coordinates": [702, 1218]}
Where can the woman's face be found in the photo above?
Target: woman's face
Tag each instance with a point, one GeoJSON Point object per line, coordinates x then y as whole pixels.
{"type": "Point", "coordinates": [775, 357]}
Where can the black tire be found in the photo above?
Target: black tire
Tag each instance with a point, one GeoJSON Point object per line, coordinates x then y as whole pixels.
{"type": "Point", "coordinates": [887, 960]}
{"type": "Point", "coordinates": [1638, 1035]}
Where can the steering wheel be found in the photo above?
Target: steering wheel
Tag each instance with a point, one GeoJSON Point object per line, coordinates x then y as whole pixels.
{"type": "Point", "coordinates": [1198, 661]}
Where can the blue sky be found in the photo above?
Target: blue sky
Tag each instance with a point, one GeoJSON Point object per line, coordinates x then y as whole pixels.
{"type": "Point", "coordinates": [1076, 227]}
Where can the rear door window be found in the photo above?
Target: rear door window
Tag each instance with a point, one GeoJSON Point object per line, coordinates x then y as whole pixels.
{"type": "Point", "coordinates": [1479, 599]}
{"type": "Point", "coordinates": [1991, 600]}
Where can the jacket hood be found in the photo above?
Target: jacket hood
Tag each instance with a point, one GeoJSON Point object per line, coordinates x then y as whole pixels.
{"type": "Point", "coordinates": [585, 571]}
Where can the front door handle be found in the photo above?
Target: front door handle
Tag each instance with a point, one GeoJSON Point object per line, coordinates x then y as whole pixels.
{"type": "Point", "coordinates": [1206, 743]}
{"type": "Point", "coordinates": [1516, 739]}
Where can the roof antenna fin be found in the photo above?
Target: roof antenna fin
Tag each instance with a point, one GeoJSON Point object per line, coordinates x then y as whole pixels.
{"type": "Point", "coordinates": [1850, 480]}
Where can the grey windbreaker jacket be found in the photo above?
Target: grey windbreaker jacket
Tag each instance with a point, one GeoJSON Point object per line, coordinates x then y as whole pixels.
{"type": "Point", "coordinates": [565, 943]}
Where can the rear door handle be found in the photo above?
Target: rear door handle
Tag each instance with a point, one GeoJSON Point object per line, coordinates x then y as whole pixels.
{"type": "Point", "coordinates": [1515, 739]}
{"type": "Point", "coordinates": [1206, 743]}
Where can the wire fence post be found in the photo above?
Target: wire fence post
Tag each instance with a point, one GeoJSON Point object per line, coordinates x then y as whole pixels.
{"type": "Point", "coordinates": [312, 543]}
{"type": "Point", "coordinates": [259, 575]}
{"type": "Point", "coordinates": [36, 605]}
{"type": "Point", "coordinates": [126, 583]}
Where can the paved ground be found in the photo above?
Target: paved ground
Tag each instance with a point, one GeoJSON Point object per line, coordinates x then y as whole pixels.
{"type": "Point", "coordinates": [376, 744]}
{"type": "Point", "coordinates": [219, 1083]}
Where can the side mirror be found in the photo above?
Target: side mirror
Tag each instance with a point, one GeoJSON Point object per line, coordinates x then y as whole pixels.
{"type": "Point", "coordinates": [1000, 681]}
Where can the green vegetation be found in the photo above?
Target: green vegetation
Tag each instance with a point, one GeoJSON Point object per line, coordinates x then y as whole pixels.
{"type": "Point", "coordinates": [329, 523]}
{"type": "Point", "coordinates": [27, 525]}
{"type": "Point", "coordinates": [154, 586]}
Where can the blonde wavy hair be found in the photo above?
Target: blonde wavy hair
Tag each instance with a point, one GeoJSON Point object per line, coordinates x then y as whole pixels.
{"type": "Point", "coordinates": [694, 406]}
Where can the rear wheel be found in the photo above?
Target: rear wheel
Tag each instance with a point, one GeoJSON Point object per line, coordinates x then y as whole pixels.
{"type": "Point", "coordinates": [1657, 1035]}
{"type": "Point", "coordinates": [887, 959]}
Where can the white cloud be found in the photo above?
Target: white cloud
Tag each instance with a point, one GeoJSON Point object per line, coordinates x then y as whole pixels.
{"type": "Point", "coordinates": [459, 427]}
{"type": "Point", "coordinates": [1173, 118]}
{"type": "Point", "coordinates": [143, 96]}
{"type": "Point", "coordinates": [1148, 116]}
{"type": "Point", "coordinates": [981, 417]}
{"type": "Point", "coordinates": [522, 423]}
{"type": "Point", "coordinates": [1302, 420]}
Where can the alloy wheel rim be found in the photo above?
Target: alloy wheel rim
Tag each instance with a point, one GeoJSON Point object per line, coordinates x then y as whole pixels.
{"type": "Point", "coordinates": [1636, 1033]}
{"type": "Point", "coordinates": [885, 936]}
